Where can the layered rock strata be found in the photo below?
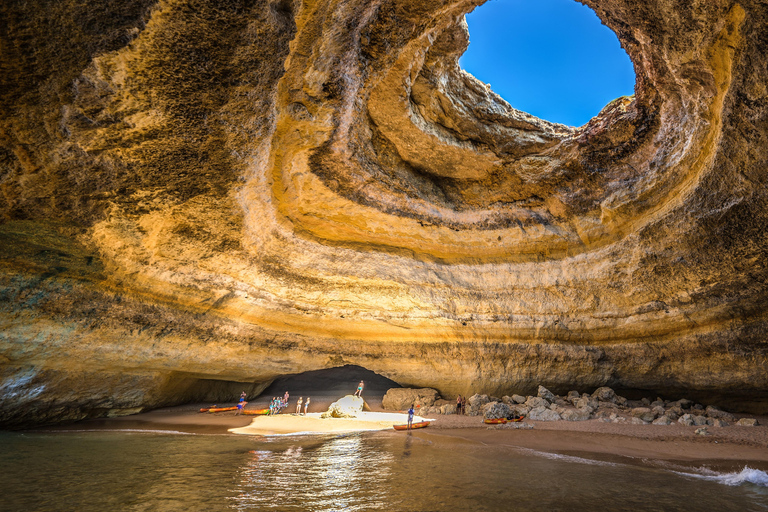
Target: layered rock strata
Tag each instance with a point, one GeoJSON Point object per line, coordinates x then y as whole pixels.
{"type": "Point", "coordinates": [229, 191]}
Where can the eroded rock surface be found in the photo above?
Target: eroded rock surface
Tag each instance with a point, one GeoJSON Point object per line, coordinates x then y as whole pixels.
{"type": "Point", "coordinates": [237, 190]}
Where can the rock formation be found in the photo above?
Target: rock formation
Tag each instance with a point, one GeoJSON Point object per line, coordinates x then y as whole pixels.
{"type": "Point", "coordinates": [197, 194]}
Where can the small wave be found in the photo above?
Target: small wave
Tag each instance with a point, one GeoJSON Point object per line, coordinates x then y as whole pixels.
{"type": "Point", "coordinates": [139, 430]}
{"type": "Point", "coordinates": [568, 458]}
{"type": "Point", "coordinates": [745, 476]}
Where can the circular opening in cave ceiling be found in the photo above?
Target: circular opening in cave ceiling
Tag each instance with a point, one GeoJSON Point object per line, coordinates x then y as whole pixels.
{"type": "Point", "coordinates": [552, 58]}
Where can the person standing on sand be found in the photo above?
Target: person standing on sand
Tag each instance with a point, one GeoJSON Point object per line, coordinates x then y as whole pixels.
{"type": "Point", "coordinates": [306, 406]}
{"type": "Point", "coordinates": [410, 417]}
{"type": "Point", "coordinates": [458, 404]}
{"type": "Point", "coordinates": [298, 405]}
{"type": "Point", "coordinates": [243, 396]}
{"type": "Point", "coordinates": [463, 405]}
{"type": "Point", "coordinates": [240, 407]}
{"type": "Point", "coordinates": [359, 391]}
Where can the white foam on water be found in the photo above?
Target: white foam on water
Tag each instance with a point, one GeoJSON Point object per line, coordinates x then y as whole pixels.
{"type": "Point", "coordinates": [139, 430]}
{"type": "Point", "coordinates": [569, 458]}
{"type": "Point", "coordinates": [745, 476]}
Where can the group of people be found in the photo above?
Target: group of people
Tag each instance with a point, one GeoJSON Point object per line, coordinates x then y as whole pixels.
{"type": "Point", "coordinates": [277, 404]}
{"type": "Point", "coordinates": [461, 404]}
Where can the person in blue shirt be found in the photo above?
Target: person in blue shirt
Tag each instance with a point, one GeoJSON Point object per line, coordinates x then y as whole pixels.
{"type": "Point", "coordinates": [410, 417]}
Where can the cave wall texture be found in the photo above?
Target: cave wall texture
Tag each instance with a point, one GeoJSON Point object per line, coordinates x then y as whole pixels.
{"type": "Point", "coordinates": [199, 193]}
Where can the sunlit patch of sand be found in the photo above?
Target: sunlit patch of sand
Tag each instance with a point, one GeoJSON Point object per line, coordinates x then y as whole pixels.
{"type": "Point", "coordinates": [282, 424]}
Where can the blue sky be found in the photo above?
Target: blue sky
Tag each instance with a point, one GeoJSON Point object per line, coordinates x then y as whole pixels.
{"type": "Point", "coordinates": [550, 58]}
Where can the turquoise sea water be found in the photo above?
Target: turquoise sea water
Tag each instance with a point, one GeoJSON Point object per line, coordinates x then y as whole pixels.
{"type": "Point", "coordinates": [388, 471]}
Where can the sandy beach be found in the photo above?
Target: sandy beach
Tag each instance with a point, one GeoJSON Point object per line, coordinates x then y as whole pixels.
{"type": "Point", "coordinates": [731, 446]}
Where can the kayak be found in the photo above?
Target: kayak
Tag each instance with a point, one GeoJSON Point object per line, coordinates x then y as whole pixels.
{"type": "Point", "coordinates": [420, 424]}
{"type": "Point", "coordinates": [218, 409]}
{"type": "Point", "coordinates": [256, 412]}
{"type": "Point", "coordinates": [501, 421]}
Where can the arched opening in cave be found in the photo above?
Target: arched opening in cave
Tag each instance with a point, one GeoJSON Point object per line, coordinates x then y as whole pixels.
{"type": "Point", "coordinates": [553, 59]}
{"type": "Point", "coordinates": [328, 385]}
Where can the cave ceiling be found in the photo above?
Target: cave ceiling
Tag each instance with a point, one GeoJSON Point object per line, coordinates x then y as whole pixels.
{"type": "Point", "coordinates": [234, 190]}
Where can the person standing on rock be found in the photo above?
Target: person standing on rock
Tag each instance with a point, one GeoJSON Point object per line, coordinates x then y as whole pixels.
{"type": "Point", "coordinates": [298, 405]}
{"type": "Point", "coordinates": [410, 417]}
{"type": "Point", "coordinates": [359, 391]}
{"type": "Point", "coordinates": [306, 406]}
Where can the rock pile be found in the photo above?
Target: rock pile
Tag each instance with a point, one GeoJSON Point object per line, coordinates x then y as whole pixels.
{"type": "Point", "coordinates": [603, 404]}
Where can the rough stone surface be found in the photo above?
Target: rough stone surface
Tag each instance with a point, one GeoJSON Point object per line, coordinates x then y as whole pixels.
{"type": "Point", "coordinates": [349, 406]}
{"type": "Point", "coordinates": [536, 401]}
{"type": "Point", "coordinates": [604, 394]}
{"type": "Point", "coordinates": [546, 394]}
{"type": "Point", "coordinates": [574, 414]}
{"type": "Point", "coordinates": [643, 413]}
{"type": "Point", "coordinates": [747, 422]}
{"type": "Point", "coordinates": [196, 194]}
{"type": "Point", "coordinates": [543, 414]}
{"type": "Point", "coordinates": [399, 399]}
{"type": "Point", "coordinates": [495, 410]}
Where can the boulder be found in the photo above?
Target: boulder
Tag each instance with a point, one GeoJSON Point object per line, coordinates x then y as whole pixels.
{"type": "Point", "coordinates": [685, 419]}
{"type": "Point", "coordinates": [702, 431]}
{"type": "Point", "coordinates": [717, 422]}
{"type": "Point", "coordinates": [658, 403]}
{"type": "Point", "coordinates": [620, 400]}
{"type": "Point", "coordinates": [400, 399]}
{"type": "Point", "coordinates": [605, 394]}
{"type": "Point", "coordinates": [347, 407]}
{"type": "Point", "coordinates": [573, 397]}
{"type": "Point", "coordinates": [662, 420]}
{"type": "Point", "coordinates": [658, 410]}
{"type": "Point", "coordinates": [683, 403]}
{"type": "Point", "coordinates": [478, 400]}
{"type": "Point", "coordinates": [520, 399]}
{"type": "Point", "coordinates": [715, 412]}
{"type": "Point", "coordinates": [645, 402]}
{"type": "Point", "coordinates": [699, 420]}
{"type": "Point", "coordinates": [496, 410]}
{"type": "Point", "coordinates": [747, 422]}
{"type": "Point", "coordinates": [543, 414]}
{"type": "Point", "coordinates": [643, 413]}
{"type": "Point", "coordinates": [574, 414]}
{"type": "Point", "coordinates": [638, 421]}
{"type": "Point", "coordinates": [676, 410]}
{"type": "Point", "coordinates": [535, 401]}
{"type": "Point", "coordinates": [587, 401]}
{"type": "Point", "coordinates": [546, 394]}
{"type": "Point", "coordinates": [520, 410]}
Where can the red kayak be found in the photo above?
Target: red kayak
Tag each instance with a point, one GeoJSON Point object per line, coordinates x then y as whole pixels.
{"type": "Point", "coordinates": [420, 424]}
{"type": "Point", "coordinates": [256, 412]}
{"type": "Point", "coordinates": [218, 409]}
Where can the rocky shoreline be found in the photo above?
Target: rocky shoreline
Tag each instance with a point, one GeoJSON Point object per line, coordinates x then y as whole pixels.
{"type": "Point", "coordinates": [603, 404]}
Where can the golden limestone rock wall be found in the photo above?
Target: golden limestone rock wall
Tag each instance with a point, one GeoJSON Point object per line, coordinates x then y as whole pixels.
{"type": "Point", "coordinates": [202, 193]}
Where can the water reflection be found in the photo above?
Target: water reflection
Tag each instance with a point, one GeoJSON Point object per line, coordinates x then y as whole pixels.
{"type": "Point", "coordinates": [336, 474]}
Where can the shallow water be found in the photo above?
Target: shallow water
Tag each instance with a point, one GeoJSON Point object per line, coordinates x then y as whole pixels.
{"type": "Point", "coordinates": [151, 471]}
